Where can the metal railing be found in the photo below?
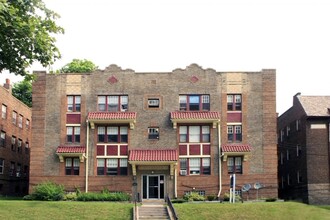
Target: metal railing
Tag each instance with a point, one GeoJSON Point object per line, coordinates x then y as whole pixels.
{"type": "Point", "coordinates": [170, 205]}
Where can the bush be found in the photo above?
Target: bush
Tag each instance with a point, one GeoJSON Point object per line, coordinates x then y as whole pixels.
{"type": "Point", "coordinates": [270, 199]}
{"type": "Point", "coordinates": [104, 196]}
{"type": "Point", "coordinates": [47, 191]}
{"type": "Point", "coordinates": [178, 201]}
{"type": "Point", "coordinates": [193, 196]}
{"type": "Point", "coordinates": [211, 197]}
{"type": "Point", "coordinates": [71, 196]}
{"type": "Point", "coordinates": [226, 197]}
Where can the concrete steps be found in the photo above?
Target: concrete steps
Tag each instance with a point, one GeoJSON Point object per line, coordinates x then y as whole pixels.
{"type": "Point", "coordinates": [153, 210]}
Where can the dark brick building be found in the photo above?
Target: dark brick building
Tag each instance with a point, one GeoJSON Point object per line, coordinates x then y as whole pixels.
{"type": "Point", "coordinates": [15, 136]}
{"type": "Point", "coordinates": [155, 133]}
{"type": "Point", "coordinates": [303, 150]}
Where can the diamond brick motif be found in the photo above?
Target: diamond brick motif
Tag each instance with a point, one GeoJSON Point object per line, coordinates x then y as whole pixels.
{"type": "Point", "coordinates": [112, 80]}
{"type": "Point", "coordinates": [194, 79]}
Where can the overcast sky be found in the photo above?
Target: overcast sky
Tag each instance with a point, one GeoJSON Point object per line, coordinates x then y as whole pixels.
{"type": "Point", "coordinates": [233, 35]}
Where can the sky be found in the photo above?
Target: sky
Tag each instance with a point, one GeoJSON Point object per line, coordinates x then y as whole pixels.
{"type": "Point", "coordinates": [290, 36]}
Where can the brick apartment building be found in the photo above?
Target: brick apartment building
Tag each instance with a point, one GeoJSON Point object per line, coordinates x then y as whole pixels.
{"type": "Point", "coordinates": [304, 152]}
{"type": "Point", "coordinates": [15, 136]}
{"type": "Point", "coordinates": [156, 134]}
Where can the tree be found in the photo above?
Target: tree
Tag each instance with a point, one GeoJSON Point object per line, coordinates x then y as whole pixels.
{"type": "Point", "coordinates": [23, 90]}
{"type": "Point", "coordinates": [79, 66]}
{"type": "Point", "coordinates": [27, 29]}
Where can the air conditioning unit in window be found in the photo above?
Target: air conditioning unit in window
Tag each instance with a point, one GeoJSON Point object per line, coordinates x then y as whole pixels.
{"type": "Point", "coordinates": [183, 172]}
{"type": "Point", "coordinates": [153, 102]}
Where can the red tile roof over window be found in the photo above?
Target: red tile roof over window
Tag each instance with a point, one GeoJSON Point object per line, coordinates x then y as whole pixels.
{"type": "Point", "coordinates": [71, 149]}
{"type": "Point", "coordinates": [153, 155]}
{"type": "Point", "coordinates": [111, 115]}
{"type": "Point", "coordinates": [236, 148]}
{"type": "Point", "coordinates": [195, 115]}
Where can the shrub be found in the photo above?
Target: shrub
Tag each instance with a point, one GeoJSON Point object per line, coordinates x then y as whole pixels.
{"type": "Point", "coordinates": [104, 196]}
{"type": "Point", "coordinates": [270, 199]}
{"type": "Point", "coordinates": [211, 197]}
{"type": "Point", "coordinates": [193, 196]}
{"type": "Point", "coordinates": [178, 201]}
{"type": "Point", "coordinates": [226, 197]}
{"type": "Point", "coordinates": [47, 191]}
{"type": "Point", "coordinates": [71, 196]}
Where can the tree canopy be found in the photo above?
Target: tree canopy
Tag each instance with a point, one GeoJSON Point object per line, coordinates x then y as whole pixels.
{"type": "Point", "coordinates": [27, 29]}
{"type": "Point", "coordinates": [23, 90]}
{"type": "Point", "coordinates": [79, 66]}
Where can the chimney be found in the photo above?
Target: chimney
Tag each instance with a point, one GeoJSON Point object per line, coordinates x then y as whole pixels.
{"type": "Point", "coordinates": [7, 85]}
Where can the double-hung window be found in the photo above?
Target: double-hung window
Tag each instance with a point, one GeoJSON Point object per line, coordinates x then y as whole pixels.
{"type": "Point", "coordinates": [13, 143]}
{"type": "Point", "coordinates": [73, 103]}
{"type": "Point", "coordinates": [194, 134]}
{"type": "Point", "coordinates": [234, 165]}
{"type": "Point", "coordinates": [2, 165]}
{"type": "Point", "coordinates": [113, 103]}
{"type": "Point", "coordinates": [72, 166]}
{"type": "Point", "coordinates": [153, 133]}
{"type": "Point", "coordinates": [2, 139]}
{"type": "Point", "coordinates": [195, 166]}
{"type": "Point", "coordinates": [112, 134]}
{"type": "Point", "coordinates": [27, 124]}
{"type": "Point", "coordinates": [20, 121]}
{"type": "Point", "coordinates": [194, 102]}
{"type": "Point", "coordinates": [4, 111]}
{"type": "Point", "coordinates": [234, 133]}
{"type": "Point", "coordinates": [14, 118]}
{"type": "Point", "coordinates": [234, 102]}
{"type": "Point", "coordinates": [73, 134]}
{"type": "Point", "coordinates": [111, 166]}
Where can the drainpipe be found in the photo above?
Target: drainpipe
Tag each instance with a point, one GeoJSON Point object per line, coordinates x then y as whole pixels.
{"type": "Point", "coordinates": [220, 155]}
{"type": "Point", "coordinates": [86, 159]}
{"type": "Point", "coordinates": [175, 182]}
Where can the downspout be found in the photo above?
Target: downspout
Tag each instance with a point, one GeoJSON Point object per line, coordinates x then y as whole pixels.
{"type": "Point", "coordinates": [175, 182]}
{"type": "Point", "coordinates": [86, 159]}
{"type": "Point", "coordinates": [220, 155]}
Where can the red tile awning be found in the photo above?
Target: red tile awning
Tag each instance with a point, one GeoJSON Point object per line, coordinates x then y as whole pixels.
{"type": "Point", "coordinates": [112, 117]}
{"type": "Point", "coordinates": [71, 151]}
{"type": "Point", "coordinates": [153, 155]}
{"type": "Point", "coordinates": [236, 148]}
{"type": "Point", "coordinates": [243, 150]}
{"type": "Point", "coordinates": [195, 117]}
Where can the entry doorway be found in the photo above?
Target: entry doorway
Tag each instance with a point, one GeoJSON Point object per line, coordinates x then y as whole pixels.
{"type": "Point", "coordinates": [153, 186]}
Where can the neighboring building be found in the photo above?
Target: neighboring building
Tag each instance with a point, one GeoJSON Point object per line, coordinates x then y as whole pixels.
{"type": "Point", "coordinates": [156, 134]}
{"type": "Point", "coordinates": [15, 136]}
{"type": "Point", "coordinates": [304, 152]}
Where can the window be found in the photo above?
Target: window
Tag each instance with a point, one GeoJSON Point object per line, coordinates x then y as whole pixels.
{"type": "Point", "coordinates": [4, 111]}
{"type": "Point", "coordinates": [288, 155]}
{"type": "Point", "coordinates": [194, 134]}
{"type": "Point", "coordinates": [13, 143]}
{"type": "Point", "coordinates": [234, 102]}
{"type": "Point", "coordinates": [282, 134]}
{"type": "Point", "coordinates": [3, 139]}
{"type": "Point", "coordinates": [297, 124]}
{"type": "Point", "coordinates": [73, 134]}
{"type": "Point", "coordinates": [299, 177]}
{"type": "Point", "coordinates": [20, 121]}
{"type": "Point", "coordinates": [12, 168]}
{"type": "Point", "coordinates": [19, 146]}
{"type": "Point", "coordinates": [289, 183]}
{"type": "Point", "coordinates": [112, 134]}
{"type": "Point", "coordinates": [2, 165]}
{"type": "Point", "coordinates": [194, 102]}
{"type": "Point", "coordinates": [112, 166]}
{"type": "Point", "coordinates": [113, 103]}
{"type": "Point", "coordinates": [287, 130]}
{"type": "Point", "coordinates": [298, 150]}
{"type": "Point", "coordinates": [72, 166]}
{"type": "Point", "coordinates": [234, 165]}
{"type": "Point", "coordinates": [18, 170]}
{"type": "Point", "coordinates": [14, 118]}
{"type": "Point", "coordinates": [27, 124]}
{"type": "Point", "coordinates": [234, 133]}
{"type": "Point", "coordinates": [281, 157]}
{"type": "Point", "coordinates": [195, 166]}
{"type": "Point", "coordinates": [26, 171]}
{"type": "Point", "coordinates": [153, 133]}
{"type": "Point", "coordinates": [74, 103]}
{"type": "Point", "coordinates": [27, 147]}
{"type": "Point", "coordinates": [153, 103]}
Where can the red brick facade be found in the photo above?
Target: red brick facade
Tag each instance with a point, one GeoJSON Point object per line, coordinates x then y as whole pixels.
{"type": "Point", "coordinates": [15, 142]}
{"type": "Point", "coordinates": [157, 112]}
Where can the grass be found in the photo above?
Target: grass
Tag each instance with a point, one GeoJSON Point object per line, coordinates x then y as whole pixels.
{"type": "Point", "coordinates": [255, 211]}
{"type": "Point", "coordinates": [20, 209]}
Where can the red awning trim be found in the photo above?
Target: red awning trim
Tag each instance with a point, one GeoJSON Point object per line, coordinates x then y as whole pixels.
{"type": "Point", "coordinates": [195, 115]}
{"type": "Point", "coordinates": [111, 115]}
{"type": "Point", "coordinates": [153, 155]}
{"type": "Point", "coordinates": [236, 148]}
{"type": "Point", "coordinates": [71, 151]}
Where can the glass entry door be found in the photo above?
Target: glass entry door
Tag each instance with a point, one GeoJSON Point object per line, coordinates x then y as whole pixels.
{"type": "Point", "coordinates": [153, 186]}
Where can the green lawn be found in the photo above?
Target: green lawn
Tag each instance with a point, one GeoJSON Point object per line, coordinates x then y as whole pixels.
{"type": "Point", "coordinates": [261, 210]}
{"type": "Point", "coordinates": [19, 209]}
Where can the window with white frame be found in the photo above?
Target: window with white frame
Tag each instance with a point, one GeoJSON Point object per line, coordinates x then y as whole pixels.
{"type": "Point", "coordinates": [298, 150]}
{"type": "Point", "coordinates": [234, 133]}
{"type": "Point", "coordinates": [2, 165]}
{"type": "Point", "coordinates": [299, 177]}
{"type": "Point", "coordinates": [194, 134]}
{"type": "Point", "coordinates": [27, 124]}
{"type": "Point", "coordinates": [73, 134]}
{"type": "Point", "coordinates": [234, 102]}
{"type": "Point", "coordinates": [12, 168]}
{"type": "Point", "coordinates": [297, 124]}
{"type": "Point", "coordinates": [73, 103]}
{"type": "Point", "coordinates": [20, 121]}
{"type": "Point", "coordinates": [153, 103]}
{"type": "Point", "coordinates": [112, 134]}
{"type": "Point", "coordinates": [153, 133]}
{"type": "Point", "coordinates": [27, 147]}
{"type": "Point", "coordinates": [194, 102]}
{"type": "Point", "coordinates": [287, 130]}
{"type": "Point", "coordinates": [4, 111]}
{"type": "Point", "coordinates": [111, 166]}
{"type": "Point", "coordinates": [195, 166]}
{"type": "Point", "coordinates": [19, 146]}
{"type": "Point", "coordinates": [72, 166]}
{"type": "Point", "coordinates": [234, 165]}
{"type": "Point", "coordinates": [14, 118]}
{"type": "Point", "coordinates": [18, 170]}
{"type": "Point", "coordinates": [2, 139]}
{"type": "Point", "coordinates": [13, 143]}
{"type": "Point", "coordinates": [113, 103]}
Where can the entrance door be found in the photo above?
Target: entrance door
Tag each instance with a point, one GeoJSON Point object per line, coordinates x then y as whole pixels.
{"type": "Point", "coordinates": [153, 186]}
